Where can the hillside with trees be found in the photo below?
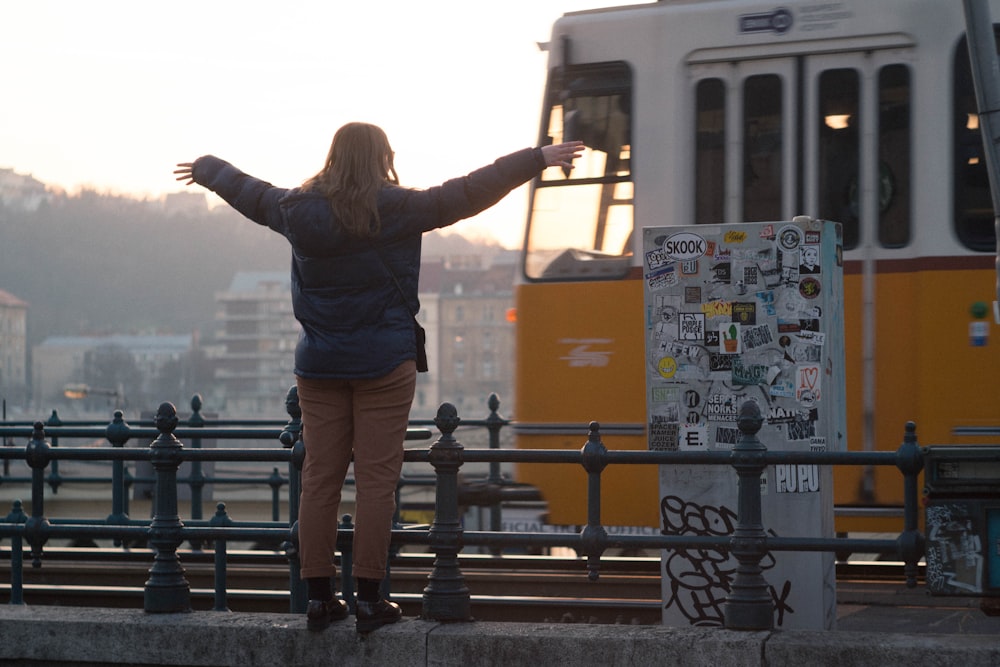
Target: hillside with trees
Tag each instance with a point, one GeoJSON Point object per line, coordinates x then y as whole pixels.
{"type": "Point", "coordinates": [95, 264]}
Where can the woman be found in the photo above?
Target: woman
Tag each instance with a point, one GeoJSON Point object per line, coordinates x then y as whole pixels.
{"type": "Point", "coordinates": [355, 237]}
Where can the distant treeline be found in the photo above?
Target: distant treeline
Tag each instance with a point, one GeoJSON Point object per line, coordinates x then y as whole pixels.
{"type": "Point", "coordinates": [94, 263]}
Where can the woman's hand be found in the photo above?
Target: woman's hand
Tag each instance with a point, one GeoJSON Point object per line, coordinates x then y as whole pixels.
{"type": "Point", "coordinates": [185, 172]}
{"type": "Point", "coordinates": [562, 155]}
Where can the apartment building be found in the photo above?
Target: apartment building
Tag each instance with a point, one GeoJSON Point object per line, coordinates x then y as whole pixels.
{"type": "Point", "coordinates": [476, 347]}
{"type": "Point", "coordinates": [13, 349]}
{"type": "Point", "coordinates": [254, 345]}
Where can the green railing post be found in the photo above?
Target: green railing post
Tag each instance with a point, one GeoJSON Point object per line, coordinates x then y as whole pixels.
{"type": "Point", "coordinates": [37, 456]}
{"type": "Point", "coordinates": [221, 519]}
{"type": "Point", "coordinates": [749, 605]}
{"type": "Point", "coordinates": [345, 544]}
{"type": "Point", "coordinates": [592, 538]}
{"type": "Point", "coordinates": [197, 478]}
{"type": "Point", "coordinates": [910, 461]}
{"type": "Point", "coordinates": [55, 479]}
{"type": "Point", "coordinates": [446, 597]}
{"type": "Point", "coordinates": [494, 422]}
{"type": "Point", "coordinates": [291, 438]}
{"type": "Point", "coordinates": [118, 433]}
{"type": "Point", "coordinates": [17, 515]}
{"type": "Point", "coordinates": [166, 589]}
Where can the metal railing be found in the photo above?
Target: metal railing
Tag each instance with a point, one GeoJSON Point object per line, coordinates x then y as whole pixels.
{"type": "Point", "coordinates": [446, 597]}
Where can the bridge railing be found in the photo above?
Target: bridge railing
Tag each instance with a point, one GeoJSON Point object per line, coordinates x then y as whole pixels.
{"type": "Point", "coordinates": [446, 597]}
{"type": "Point", "coordinates": [491, 489]}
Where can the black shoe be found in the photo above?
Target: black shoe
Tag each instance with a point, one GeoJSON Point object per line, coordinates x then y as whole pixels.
{"type": "Point", "coordinates": [320, 614]}
{"type": "Point", "coordinates": [373, 615]}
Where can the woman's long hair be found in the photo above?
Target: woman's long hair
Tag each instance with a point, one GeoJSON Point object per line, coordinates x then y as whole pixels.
{"type": "Point", "coordinates": [359, 163]}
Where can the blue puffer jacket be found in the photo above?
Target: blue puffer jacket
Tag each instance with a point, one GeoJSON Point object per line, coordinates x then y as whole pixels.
{"type": "Point", "coordinates": [354, 321]}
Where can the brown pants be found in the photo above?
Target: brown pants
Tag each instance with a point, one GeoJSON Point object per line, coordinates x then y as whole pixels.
{"type": "Point", "coordinates": [366, 419]}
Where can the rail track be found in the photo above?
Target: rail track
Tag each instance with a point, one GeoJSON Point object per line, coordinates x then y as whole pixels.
{"type": "Point", "coordinates": [508, 588]}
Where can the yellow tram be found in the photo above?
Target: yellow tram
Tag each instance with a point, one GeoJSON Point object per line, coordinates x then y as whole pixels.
{"type": "Point", "coordinates": [727, 111]}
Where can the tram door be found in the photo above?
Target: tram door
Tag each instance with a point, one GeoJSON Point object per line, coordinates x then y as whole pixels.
{"type": "Point", "coordinates": [825, 136]}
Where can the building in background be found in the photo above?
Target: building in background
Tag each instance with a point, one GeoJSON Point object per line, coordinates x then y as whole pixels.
{"type": "Point", "coordinates": [185, 202]}
{"type": "Point", "coordinates": [476, 339]}
{"type": "Point", "coordinates": [427, 396]}
{"type": "Point", "coordinates": [463, 309]}
{"type": "Point", "coordinates": [253, 354]}
{"type": "Point", "coordinates": [13, 350]}
{"type": "Point", "coordinates": [22, 190]}
{"type": "Point", "coordinates": [134, 372]}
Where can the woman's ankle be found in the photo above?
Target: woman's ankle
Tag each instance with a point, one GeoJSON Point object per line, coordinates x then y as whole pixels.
{"type": "Point", "coordinates": [320, 588]}
{"type": "Point", "coordinates": [368, 589]}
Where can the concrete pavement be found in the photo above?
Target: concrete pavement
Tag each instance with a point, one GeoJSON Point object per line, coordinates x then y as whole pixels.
{"type": "Point", "coordinates": [881, 636]}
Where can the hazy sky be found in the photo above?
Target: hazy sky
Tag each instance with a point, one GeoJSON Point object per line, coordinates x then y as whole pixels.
{"type": "Point", "coordinates": [110, 94]}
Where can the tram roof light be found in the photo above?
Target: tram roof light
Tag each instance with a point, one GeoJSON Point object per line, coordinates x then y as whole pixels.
{"type": "Point", "coordinates": [837, 121]}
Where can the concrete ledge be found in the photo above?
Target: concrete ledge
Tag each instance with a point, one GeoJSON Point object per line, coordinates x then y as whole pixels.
{"type": "Point", "coordinates": [880, 649]}
{"type": "Point", "coordinates": [81, 636]}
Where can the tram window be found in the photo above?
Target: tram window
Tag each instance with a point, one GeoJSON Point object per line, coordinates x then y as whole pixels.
{"type": "Point", "coordinates": [710, 152]}
{"type": "Point", "coordinates": [839, 94]}
{"type": "Point", "coordinates": [973, 217]}
{"type": "Point", "coordinates": [592, 103]}
{"type": "Point", "coordinates": [581, 221]}
{"type": "Point", "coordinates": [894, 156]}
{"type": "Point", "coordinates": [762, 147]}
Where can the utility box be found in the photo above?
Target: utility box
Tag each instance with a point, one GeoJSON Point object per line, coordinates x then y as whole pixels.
{"type": "Point", "coordinates": [738, 312]}
{"type": "Point", "coordinates": [962, 490]}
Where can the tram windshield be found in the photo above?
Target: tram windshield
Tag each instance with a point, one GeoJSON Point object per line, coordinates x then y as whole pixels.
{"type": "Point", "coordinates": [581, 219]}
{"type": "Point", "coordinates": [974, 216]}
